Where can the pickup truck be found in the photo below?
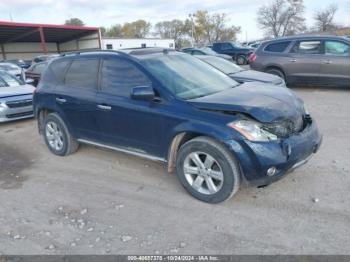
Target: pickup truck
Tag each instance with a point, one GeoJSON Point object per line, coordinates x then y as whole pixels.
{"type": "Point", "coordinates": [238, 53]}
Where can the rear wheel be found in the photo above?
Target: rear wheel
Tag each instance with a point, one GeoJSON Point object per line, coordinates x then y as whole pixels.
{"type": "Point", "coordinates": [207, 170]}
{"type": "Point", "coordinates": [241, 60]}
{"type": "Point", "coordinates": [57, 137]}
{"type": "Point", "coordinates": [277, 72]}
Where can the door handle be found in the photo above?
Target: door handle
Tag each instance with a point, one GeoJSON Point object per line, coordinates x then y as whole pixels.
{"type": "Point", "coordinates": [61, 100]}
{"type": "Point", "coordinates": [293, 60]}
{"type": "Point", "coordinates": [104, 107]}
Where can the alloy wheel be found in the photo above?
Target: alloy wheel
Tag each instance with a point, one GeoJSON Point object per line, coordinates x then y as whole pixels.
{"type": "Point", "coordinates": [54, 136]}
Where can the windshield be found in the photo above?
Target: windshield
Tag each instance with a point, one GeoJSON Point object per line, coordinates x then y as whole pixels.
{"type": "Point", "coordinates": [8, 80]}
{"type": "Point", "coordinates": [8, 66]}
{"type": "Point", "coordinates": [187, 77]}
{"type": "Point", "coordinates": [208, 51]}
{"type": "Point", "coordinates": [224, 66]}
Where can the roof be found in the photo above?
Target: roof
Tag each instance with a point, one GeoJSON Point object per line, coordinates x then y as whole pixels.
{"type": "Point", "coordinates": [294, 37]}
{"type": "Point", "coordinates": [28, 32]}
{"type": "Point", "coordinates": [134, 38]}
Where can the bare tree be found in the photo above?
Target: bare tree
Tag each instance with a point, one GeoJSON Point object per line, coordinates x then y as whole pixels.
{"type": "Point", "coordinates": [174, 29]}
{"type": "Point", "coordinates": [282, 17]}
{"type": "Point", "coordinates": [324, 18]}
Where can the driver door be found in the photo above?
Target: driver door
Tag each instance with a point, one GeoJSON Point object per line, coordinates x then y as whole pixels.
{"type": "Point", "coordinates": [123, 121]}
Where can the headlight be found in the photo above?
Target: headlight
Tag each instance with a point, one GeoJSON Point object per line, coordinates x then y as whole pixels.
{"type": "Point", "coordinates": [252, 130]}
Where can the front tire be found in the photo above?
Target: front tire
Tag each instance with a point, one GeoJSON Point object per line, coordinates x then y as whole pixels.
{"type": "Point", "coordinates": [276, 72]}
{"type": "Point", "coordinates": [241, 60]}
{"type": "Point", "coordinates": [207, 170]}
{"type": "Point", "coordinates": [57, 136]}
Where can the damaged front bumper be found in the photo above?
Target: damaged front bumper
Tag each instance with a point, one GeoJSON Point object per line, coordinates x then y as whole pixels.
{"type": "Point", "coordinates": [257, 159]}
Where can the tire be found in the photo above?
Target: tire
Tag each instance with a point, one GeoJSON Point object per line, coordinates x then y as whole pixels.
{"type": "Point", "coordinates": [277, 72]}
{"type": "Point", "coordinates": [226, 184]}
{"type": "Point", "coordinates": [57, 136]}
{"type": "Point", "coordinates": [241, 60]}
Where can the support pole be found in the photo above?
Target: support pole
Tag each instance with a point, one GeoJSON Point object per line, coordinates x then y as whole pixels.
{"type": "Point", "coordinates": [3, 52]}
{"type": "Point", "coordinates": [42, 40]}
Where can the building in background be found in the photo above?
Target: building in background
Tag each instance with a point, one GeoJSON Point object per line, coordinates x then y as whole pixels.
{"type": "Point", "coordinates": [26, 41]}
{"type": "Point", "coordinates": [122, 43]}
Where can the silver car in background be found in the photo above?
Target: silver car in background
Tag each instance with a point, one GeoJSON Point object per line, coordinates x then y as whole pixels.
{"type": "Point", "coordinates": [16, 98]}
{"type": "Point", "coordinates": [12, 69]}
{"type": "Point", "coordinates": [306, 60]}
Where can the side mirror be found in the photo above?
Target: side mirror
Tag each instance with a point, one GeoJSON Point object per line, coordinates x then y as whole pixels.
{"type": "Point", "coordinates": [142, 93]}
{"type": "Point", "coordinates": [29, 81]}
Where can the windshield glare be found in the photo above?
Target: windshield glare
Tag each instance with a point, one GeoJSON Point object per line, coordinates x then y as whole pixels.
{"type": "Point", "coordinates": [224, 66]}
{"type": "Point", "coordinates": [187, 77]}
{"type": "Point", "coordinates": [8, 80]}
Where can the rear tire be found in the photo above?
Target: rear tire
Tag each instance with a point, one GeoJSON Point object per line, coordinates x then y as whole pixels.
{"type": "Point", "coordinates": [207, 170]}
{"type": "Point", "coordinates": [277, 72]}
{"type": "Point", "coordinates": [57, 136]}
{"type": "Point", "coordinates": [241, 60]}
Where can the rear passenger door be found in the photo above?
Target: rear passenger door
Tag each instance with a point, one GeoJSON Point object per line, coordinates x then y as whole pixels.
{"type": "Point", "coordinates": [75, 97]}
{"type": "Point", "coordinates": [134, 124]}
{"type": "Point", "coordinates": [304, 63]}
{"type": "Point", "coordinates": [335, 64]}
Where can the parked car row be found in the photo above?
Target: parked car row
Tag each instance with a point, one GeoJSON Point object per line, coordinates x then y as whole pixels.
{"type": "Point", "coordinates": [172, 107]}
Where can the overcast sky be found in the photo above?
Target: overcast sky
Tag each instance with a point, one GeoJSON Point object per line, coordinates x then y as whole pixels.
{"type": "Point", "coordinates": [108, 12]}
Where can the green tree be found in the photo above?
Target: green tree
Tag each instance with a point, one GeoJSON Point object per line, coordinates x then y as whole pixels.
{"type": "Point", "coordinates": [74, 21]}
{"type": "Point", "coordinates": [137, 29]}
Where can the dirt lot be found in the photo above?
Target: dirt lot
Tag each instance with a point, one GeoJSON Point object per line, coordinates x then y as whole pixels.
{"type": "Point", "coordinates": [98, 201]}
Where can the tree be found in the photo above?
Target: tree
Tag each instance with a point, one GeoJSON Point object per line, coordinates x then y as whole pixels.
{"type": "Point", "coordinates": [282, 17]}
{"type": "Point", "coordinates": [174, 29]}
{"type": "Point", "coordinates": [211, 28]}
{"type": "Point", "coordinates": [137, 29]}
{"type": "Point", "coordinates": [113, 31]}
{"type": "Point", "coordinates": [74, 21]}
{"type": "Point", "coordinates": [324, 18]}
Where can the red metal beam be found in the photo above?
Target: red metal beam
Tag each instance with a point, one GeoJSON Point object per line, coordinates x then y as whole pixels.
{"type": "Point", "coordinates": [42, 40]}
{"type": "Point", "coordinates": [14, 24]}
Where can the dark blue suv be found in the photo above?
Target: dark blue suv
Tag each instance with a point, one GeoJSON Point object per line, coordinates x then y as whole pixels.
{"type": "Point", "coordinates": [171, 107]}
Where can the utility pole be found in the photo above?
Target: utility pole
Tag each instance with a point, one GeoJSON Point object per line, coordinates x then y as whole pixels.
{"type": "Point", "coordinates": [191, 16]}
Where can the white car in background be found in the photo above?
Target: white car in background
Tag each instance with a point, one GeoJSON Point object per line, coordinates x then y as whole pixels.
{"type": "Point", "coordinates": [12, 69]}
{"type": "Point", "coordinates": [16, 98]}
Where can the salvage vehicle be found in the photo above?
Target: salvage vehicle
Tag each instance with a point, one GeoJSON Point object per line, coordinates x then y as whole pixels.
{"type": "Point", "coordinates": [238, 53]}
{"type": "Point", "coordinates": [12, 69]}
{"type": "Point", "coordinates": [16, 98]}
{"type": "Point", "coordinates": [170, 107]}
{"type": "Point", "coordinates": [306, 60]}
{"type": "Point", "coordinates": [239, 74]}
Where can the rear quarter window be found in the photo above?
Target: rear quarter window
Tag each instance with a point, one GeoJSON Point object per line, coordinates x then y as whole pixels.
{"type": "Point", "coordinates": [82, 74]}
{"type": "Point", "coordinates": [59, 69]}
{"type": "Point", "coordinates": [279, 47]}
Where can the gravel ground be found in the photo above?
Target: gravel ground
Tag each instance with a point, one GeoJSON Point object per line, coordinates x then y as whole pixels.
{"type": "Point", "coordinates": [98, 201]}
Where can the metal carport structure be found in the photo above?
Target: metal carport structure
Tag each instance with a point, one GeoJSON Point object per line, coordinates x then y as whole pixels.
{"type": "Point", "coordinates": [26, 40]}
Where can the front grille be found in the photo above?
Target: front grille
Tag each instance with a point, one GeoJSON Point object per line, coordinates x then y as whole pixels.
{"type": "Point", "coordinates": [29, 113]}
{"type": "Point", "coordinates": [20, 103]}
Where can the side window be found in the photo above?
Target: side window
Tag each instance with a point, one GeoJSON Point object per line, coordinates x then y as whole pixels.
{"type": "Point", "coordinates": [226, 46]}
{"type": "Point", "coordinates": [279, 47]}
{"type": "Point", "coordinates": [82, 74]}
{"type": "Point", "coordinates": [307, 47]}
{"type": "Point", "coordinates": [337, 48]}
{"type": "Point", "coordinates": [119, 76]}
{"type": "Point", "coordinates": [59, 69]}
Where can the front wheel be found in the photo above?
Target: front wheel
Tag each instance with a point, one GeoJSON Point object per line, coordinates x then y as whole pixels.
{"type": "Point", "coordinates": [241, 60]}
{"type": "Point", "coordinates": [207, 170]}
{"type": "Point", "coordinates": [276, 72]}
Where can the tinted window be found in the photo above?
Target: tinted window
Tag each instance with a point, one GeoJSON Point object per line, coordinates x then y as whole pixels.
{"type": "Point", "coordinates": [279, 47]}
{"type": "Point", "coordinates": [337, 48]}
{"type": "Point", "coordinates": [39, 68]}
{"type": "Point", "coordinates": [308, 47]}
{"type": "Point", "coordinates": [82, 74]}
{"type": "Point", "coordinates": [59, 69]}
{"type": "Point", "coordinates": [225, 46]}
{"type": "Point", "coordinates": [120, 76]}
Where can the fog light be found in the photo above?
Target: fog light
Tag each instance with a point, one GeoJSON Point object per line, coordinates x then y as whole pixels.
{"type": "Point", "coordinates": [271, 171]}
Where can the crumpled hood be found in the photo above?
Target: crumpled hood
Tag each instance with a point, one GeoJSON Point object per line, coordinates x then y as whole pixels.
{"type": "Point", "coordinates": [16, 90]}
{"type": "Point", "coordinates": [264, 102]}
{"type": "Point", "coordinates": [251, 75]}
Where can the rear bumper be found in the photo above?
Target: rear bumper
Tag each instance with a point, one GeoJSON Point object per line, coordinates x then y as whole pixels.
{"type": "Point", "coordinates": [285, 155]}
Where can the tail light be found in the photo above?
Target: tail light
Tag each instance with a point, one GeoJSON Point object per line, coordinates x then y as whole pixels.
{"type": "Point", "coordinates": [252, 57]}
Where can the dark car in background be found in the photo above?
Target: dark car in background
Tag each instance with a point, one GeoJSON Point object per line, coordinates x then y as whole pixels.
{"type": "Point", "coordinates": [238, 53]}
{"type": "Point", "coordinates": [34, 72]}
{"type": "Point", "coordinates": [171, 107]}
{"type": "Point", "coordinates": [240, 74]}
{"type": "Point", "coordinates": [306, 60]}
{"type": "Point", "coordinates": [205, 51]}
